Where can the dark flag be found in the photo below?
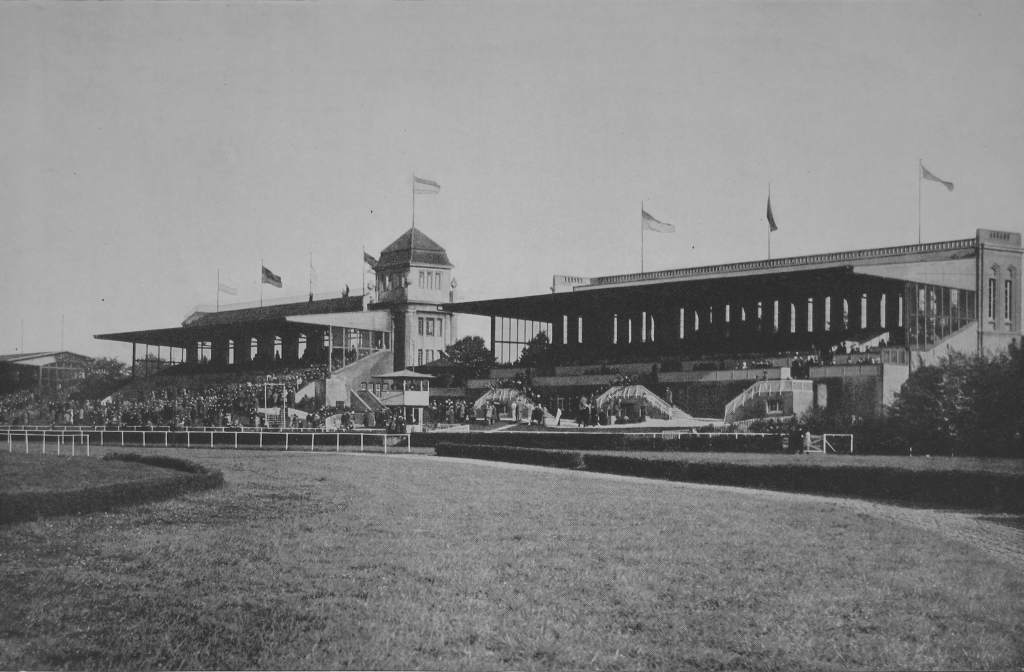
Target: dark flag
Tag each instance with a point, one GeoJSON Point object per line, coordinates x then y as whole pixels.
{"type": "Point", "coordinates": [771, 217]}
{"type": "Point", "coordinates": [270, 279]}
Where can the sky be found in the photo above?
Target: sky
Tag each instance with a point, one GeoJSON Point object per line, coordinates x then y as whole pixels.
{"type": "Point", "coordinates": [147, 147]}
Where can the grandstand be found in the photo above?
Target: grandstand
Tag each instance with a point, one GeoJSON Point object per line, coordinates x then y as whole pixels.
{"type": "Point", "coordinates": [851, 324]}
{"type": "Point", "coordinates": [397, 323]}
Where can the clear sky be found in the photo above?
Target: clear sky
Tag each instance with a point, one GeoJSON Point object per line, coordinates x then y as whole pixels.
{"type": "Point", "coordinates": [144, 146]}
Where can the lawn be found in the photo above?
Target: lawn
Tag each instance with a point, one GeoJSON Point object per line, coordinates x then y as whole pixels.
{"type": "Point", "coordinates": [327, 561]}
{"type": "Point", "coordinates": [41, 473]}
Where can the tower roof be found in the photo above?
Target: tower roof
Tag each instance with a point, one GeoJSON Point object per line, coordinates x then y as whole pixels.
{"type": "Point", "coordinates": [414, 248]}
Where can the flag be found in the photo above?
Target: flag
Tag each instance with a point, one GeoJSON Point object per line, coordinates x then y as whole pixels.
{"type": "Point", "coordinates": [269, 278]}
{"type": "Point", "coordinates": [227, 289]}
{"type": "Point", "coordinates": [424, 186]}
{"type": "Point", "coordinates": [771, 217]}
{"type": "Point", "coordinates": [369, 260]}
{"type": "Point", "coordinates": [652, 224]}
{"type": "Point", "coordinates": [928, 175]}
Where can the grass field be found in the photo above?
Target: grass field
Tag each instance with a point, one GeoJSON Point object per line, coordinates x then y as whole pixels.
{"type": "Point", "coordinates": [313, 561]}
{"type": "Point", "coordinates": [35, 472]}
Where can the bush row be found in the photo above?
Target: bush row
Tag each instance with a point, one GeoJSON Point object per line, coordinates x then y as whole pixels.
{"type": "Point", "coordinates": [682, 442]}
{"type": "Point", "coordinates": [954, 489]}
{"type": "Point", "coordinates": [191, 477]}
{"type": "Point", "coordinates": [564, 459]}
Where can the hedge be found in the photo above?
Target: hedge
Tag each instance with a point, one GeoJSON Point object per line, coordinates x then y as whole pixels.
{"type": "Point", "coordinates": [191, 477]}
{"type": "Point", "coordinates": [951, 489]}
{"type": "Point", "coordinates": [671, 441]}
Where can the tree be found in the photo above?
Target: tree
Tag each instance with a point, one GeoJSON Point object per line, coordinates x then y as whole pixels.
{"type": "Point", "coordinates": [966, 405]}
{"type": "Point", "coordinates": [537, 352]}
{"type": "Point", "coordinates": [102, 377]}
{"type": "Point", "coordinates": [470, 358]}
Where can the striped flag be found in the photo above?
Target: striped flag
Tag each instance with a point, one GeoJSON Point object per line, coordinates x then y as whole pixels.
{"type": "Point", "coordinates": [225, 288]}
{"type": "Point", "coordinates": [929, 175]}
{"type": "Point", "coordinates": [269, 278]}
{"type": "Point", "coordinates": [423, 186]}
{"type": "Point", "coordinates": [369, 260]}
{"type": "Point", "coordinates": [652, 224]}
{"type": "Point", "coordinates": [771, 217]}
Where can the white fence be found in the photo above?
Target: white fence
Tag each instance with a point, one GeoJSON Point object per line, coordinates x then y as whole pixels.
{"type": "Point", "coordinates": [207, 438]}
{"type": "Point", "coordinates": [73, 441]}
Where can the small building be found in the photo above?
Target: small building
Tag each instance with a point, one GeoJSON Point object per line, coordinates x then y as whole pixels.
{"type": "Point", "coordinates": [49, 371]}
{"type": "Point", "coordinates": [407, 392]}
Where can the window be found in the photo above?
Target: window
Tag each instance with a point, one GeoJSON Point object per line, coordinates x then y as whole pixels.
{"type": "Point", "coordinates": [991, 311]}
{"type": "Point", "coordinates": [422, 279]}
{"type": "Point", "coordinates": [643, 327]}
{"type": "Point", "coordinates": [810, 315]}
{"type": "Point", "coordinates": [430, 326]}
{"type": "Point", "coordinates": [437, 280]}
{"type": "Point", "coordinates": [440, 327]}
{"type": "Point", "coordinates": [579, 329]}
{"type": "Point", "coordinates": [1007, 300]}
{"type": "Point", "coordinates": [419, 323]}
{"type": "Point", "coordinates": [615, 328]}
{"type": "Point", "coordinates": [773, 405]}
{"type": "Point", "coordinates": [682, 323]}
{"type": "Point", "coordinates": [565, 329]}
{"type": "Point", "coordinates": [419, 358]}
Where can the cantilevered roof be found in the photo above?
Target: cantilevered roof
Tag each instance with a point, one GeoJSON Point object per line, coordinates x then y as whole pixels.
{"type": "Point", "coordinates": [414, 248]}
{"type": "Point", "coordinates": [891, 263]}
{"type": "Point", "coordinates": [247, 314]}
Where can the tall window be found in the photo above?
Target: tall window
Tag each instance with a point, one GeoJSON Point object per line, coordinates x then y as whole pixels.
{"type": "Point", "coordinates": [419, 358]}
{"type": "Point", "coordinates": [991, 309]}
{"type": "Point", "coordinates": [579, 329]}
{"type": "Point", "coordinates": [419, 323]}
{"type": "Point", "coordinates": [615, 328]}
{"type": "Point", "coordinates": [682, 323]}
{"type": "Point", "coordinates": [430, 326]}
{"type": "Point", "coordinates": [1007, 300]}
{"type": "Point", "coordinates": [565, 329]}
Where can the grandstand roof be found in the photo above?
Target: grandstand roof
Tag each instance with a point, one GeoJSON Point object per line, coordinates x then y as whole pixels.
{"type": "Point", "coordinates": [205, 326]}
{"type": "Point", "coordinates": [41, 358]}
{"type": "Point", "coordinates": [724, 278]}
{"type": "Point", "coordinates": [414, 248]}
{"type": "Point", "coordinates": [342, 304]}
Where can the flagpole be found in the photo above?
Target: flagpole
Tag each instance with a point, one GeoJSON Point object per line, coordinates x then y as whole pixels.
{"type": "Point", "coordinates": [641, 236]}
{"type": "Point", "coordinates": [261, 282]}
{"type": "Point", "coordinates": [769, 224]}
{"type": "Point", "coordinates": [921, 163]}
{"type": "Point", "coordinates": [414, 200]}
{"type": "Point", "coordinates": [310, 275]}
{"type": "Point", "coordinates": [218, 290]}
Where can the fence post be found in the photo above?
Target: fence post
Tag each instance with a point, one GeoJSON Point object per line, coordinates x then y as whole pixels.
{"type": "Point", "coordinates": [87, 444]}
{"type": "Point", "coordinates": [385, 443]}
{"type": "Point", "coordinates": [337, 442]}
{"type": "Point", "coordinates": [165, 439]}
{"type": "Point", "coordinates": [261, 438]}
{"type": "Point", "coordinates": [361, 435]}
{"type": "Point", "coordinates": [44, 442]}
{"type": "Point", "coordinates": [311, 435]}
{"type": "Point", "coordinates": [26, 442]}
{"type": "Point", "coordinates": [122, 438]}
{"type": "Point", "coordinates": [236, 440]}
{"type": "Point", "coordinates": [211, 438]}
{"type": "Point", "coordinates": [101, 437]}
{"type": "Point", "coordinates": [143, 438]}
{"type": "Point", "coordinates": [286, 440]}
